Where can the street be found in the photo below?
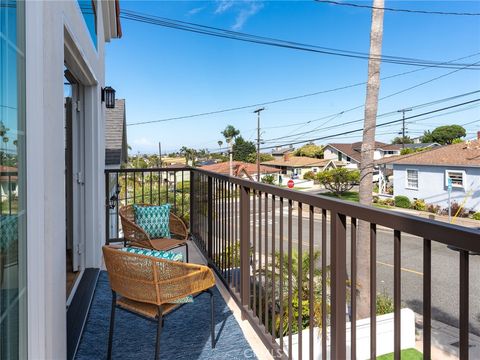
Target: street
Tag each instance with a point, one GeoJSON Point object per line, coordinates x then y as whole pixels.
{"type": "Point", "coordinates": [445, 266]}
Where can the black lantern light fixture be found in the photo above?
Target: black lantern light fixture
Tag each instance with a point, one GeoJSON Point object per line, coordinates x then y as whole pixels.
{"type": "Point", "coordinates": [108, 96]}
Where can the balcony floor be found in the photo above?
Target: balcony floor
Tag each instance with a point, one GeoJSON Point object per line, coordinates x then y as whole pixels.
{"type": "Point", "coordinates": [186, 333]}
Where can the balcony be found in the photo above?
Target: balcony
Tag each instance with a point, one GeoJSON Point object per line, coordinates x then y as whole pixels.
{"type": "Point", "coordinates": [290, 261]}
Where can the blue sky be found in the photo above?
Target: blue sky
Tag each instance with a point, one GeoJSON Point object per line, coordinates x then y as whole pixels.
{"type": "Point", "coordinates": [165, 73]}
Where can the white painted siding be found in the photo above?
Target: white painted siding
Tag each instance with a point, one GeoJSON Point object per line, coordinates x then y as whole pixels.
{"type": "Point", "coordinates": [432, 188]}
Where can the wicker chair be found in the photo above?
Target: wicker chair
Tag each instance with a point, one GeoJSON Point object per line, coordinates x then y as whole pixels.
{"type": "Point", "coordinates": [147, 286]}
{"type": "Point", "coordinates": [135, 236]}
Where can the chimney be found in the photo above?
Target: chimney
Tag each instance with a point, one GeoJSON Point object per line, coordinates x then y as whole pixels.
{"type": "Point", "coordinates": [287, 156]}
{"type": "Point", "coordinates": [478, 135]}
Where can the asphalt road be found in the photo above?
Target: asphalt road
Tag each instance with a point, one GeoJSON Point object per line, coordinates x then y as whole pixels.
{"type": "Point", "coordinates": [445, 268]}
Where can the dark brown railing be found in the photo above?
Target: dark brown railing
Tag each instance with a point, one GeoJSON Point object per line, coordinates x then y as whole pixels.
{"type": "Point", "coordinates": [289, 258]}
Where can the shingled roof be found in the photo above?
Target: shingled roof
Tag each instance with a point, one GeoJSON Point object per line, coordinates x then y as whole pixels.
{"type": "Point", "coordinates": [462, 154]}
{"type": "Point", "coordinates": [116, 148]}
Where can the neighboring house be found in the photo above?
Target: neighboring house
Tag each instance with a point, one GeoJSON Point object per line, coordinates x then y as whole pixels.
{"type": "Point", "coordinates": [116, 147]}
{"type": "Point", "coordinates": [296, 166]}
{"type": "Point", "coordinates": [8, 182]}
{"type": "Point", "coordinates": [242, 169]}
{"type": "Point", "coordinates": [279, 152]}
{"type": "Point", "coordinates": [116, 150]}
{"type": "Point", "coordinates": [350, 153]}
{"type": "Point", "coordinates": [426, 174]}
{"type": "Point", "coordinates": [52, 56]}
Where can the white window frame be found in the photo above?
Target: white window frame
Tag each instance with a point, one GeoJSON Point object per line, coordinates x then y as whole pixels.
{"type": "Point", "coordinates": [447, 176]}
{"type": "Point", "coordinates": [407, 186]}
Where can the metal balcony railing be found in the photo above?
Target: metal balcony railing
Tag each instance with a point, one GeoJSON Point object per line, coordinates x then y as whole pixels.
{"type": "Point", "coordinates": [289, 258]}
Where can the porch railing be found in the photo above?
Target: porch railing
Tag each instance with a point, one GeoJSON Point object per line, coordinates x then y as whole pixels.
{"type": "Point", "coordinates": [289, 258]}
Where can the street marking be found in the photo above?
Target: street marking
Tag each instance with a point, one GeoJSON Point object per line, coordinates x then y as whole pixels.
{"type": "Point", "coordinates": [403, 269]}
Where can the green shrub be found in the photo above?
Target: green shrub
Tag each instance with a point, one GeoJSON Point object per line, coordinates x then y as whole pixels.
{"type": "Point", "coordinates": [268, 179]}
{"type": "Point", "coordinates": [476, 216]}
{"type": "Point", "coordinates": [402, 202]}
{"type": "Point", "coordinates": [384, 304]}
{"type": "Point", "coordinates": [309, 175]}
{"type": "Point", "coordinates": [419, 204]}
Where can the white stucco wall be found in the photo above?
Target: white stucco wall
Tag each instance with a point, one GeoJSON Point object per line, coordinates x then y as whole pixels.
{"type": "Point", "coordinates": [51, 26]}
{"type": "Point", "coordinates": [432, 188]}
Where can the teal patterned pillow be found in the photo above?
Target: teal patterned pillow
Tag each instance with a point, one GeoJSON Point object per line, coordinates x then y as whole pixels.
{"type": "Point", "coordinates": [8, 230]}
{"type": "Point", "coordinates": [166, 255]}
{"type": "Point", "coordinates": [155, 220]}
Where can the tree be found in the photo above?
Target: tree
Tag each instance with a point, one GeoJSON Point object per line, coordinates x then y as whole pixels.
{"type": "Point", "coordinates": [220, 143]}
{"type": "Point", "coordinates": [444, 134]}
{"type": "Point", "coordinates": [230, 133]}
{"type": "Point", "coordinates": [242, 149]}
{"type": "Point", "coordinates": [402, 140]}
{"type": "Point", "coordinates": [268, 179]}
{"type": "Point", "coordinates": [338, 180]}
{"type": "Point", "coordinates": [367, 151]}
{"type": "Point", "coordinates": [252, 158]}
{"type": "Point", "coordinates": [310, 150]}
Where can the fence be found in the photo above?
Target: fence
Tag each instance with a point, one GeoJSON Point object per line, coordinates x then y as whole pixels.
{"type": "Point", "coordinates": [290, 260]}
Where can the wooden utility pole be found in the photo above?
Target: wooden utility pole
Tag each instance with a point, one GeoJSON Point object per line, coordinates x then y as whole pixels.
{"type": "Point", "coordinates": [403, 111]}
{"type": "Point", "coordinates": [258, 111]}
{"type": "Point", "coordinates": [365, 304]}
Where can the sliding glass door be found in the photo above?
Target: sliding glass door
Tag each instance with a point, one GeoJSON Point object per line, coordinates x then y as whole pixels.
{"type": "Point", "coordinates": [13, 317]}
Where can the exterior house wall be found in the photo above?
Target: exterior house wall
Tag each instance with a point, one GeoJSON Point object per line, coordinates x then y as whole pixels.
{"type": "Point", "coordinates": [56, 31]}
{"type": "Point", "coordinates": [432, 185]}
{"type": "Point", "coordinates": [330, 153]}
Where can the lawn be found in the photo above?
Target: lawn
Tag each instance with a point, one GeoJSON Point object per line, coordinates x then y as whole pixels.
{"type": "Point", "coordinates": [349, 196]}
{"type": "Point", "coordinates": [407, 354]}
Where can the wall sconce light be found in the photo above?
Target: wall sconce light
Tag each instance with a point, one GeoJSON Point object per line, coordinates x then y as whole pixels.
{"type": "Point", "coordinates": [108, 97]}
{"type": "Point", "coordinates": [114, 197]}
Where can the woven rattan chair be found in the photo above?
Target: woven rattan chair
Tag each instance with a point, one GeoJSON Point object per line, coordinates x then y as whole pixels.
{"type": "Point", "coordinates": [146, 286]}
{"type": "Point", "coordinates": [135, 236]}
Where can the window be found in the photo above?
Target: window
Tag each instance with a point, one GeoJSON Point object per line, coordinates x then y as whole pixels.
{"type": "Point", "coordinates": [457, 177]}
{"type": "Point", "coordinates": [315, 170]}
{"type": "Point", "coordinates": [13, 242]}
{"type": "Point", "coordinates": [339, 157]}
{"type": "Point", "coordinates": [348, 159]}
{"type": "Point", "coordinates": [412, 179]}
{"type": "Point", "coordinates": [89, 12]}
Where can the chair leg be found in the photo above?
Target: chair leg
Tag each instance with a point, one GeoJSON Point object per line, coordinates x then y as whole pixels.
{"type": "Point", "coordinates": [112, 324]}
{"type": "Point", "coordinates": [186, 251]}
{"type": "Point", "coordinates": [159, 333]}
{"type": "Point", "coordinates": [212, 317]}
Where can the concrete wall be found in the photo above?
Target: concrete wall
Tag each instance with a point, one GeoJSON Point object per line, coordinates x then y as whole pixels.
{"type": "Point", "coordinates": [432, 187]}
{"type": "Point", "coordinates": [55, 31]}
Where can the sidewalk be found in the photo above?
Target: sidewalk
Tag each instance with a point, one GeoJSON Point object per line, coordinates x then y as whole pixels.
{"type": "Point", "coordinates": [458, 221]}
{"type": "Point", "coordinates": [445, 340]}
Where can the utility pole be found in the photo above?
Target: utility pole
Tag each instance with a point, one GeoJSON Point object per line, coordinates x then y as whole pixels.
{"type": "Point", "coordinates": [159, 154]}
{"type": "Point", "coordinates": [403, 111]}
{"type": "Point", "coordinates": [258, 111]}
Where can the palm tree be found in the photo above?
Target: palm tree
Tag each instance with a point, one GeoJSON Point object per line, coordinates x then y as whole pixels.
{"type": "Point", "coordinates": [220, 143]}
{"type": "Point", "coordinates": [367, 151]}
{"type": "Point", "coordinates": [230, 133]}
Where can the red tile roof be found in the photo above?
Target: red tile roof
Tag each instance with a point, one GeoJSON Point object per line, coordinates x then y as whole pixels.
{"type": "Point", "coordinates": [224, 168]}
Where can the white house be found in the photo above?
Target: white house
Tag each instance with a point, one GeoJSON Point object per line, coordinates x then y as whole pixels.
{"type": "Point", "coordinates": [52, 71]}
{"type": "Point", "coordinates": [296, 167]}
{"type": "Point", "coordinates": [426, 174]}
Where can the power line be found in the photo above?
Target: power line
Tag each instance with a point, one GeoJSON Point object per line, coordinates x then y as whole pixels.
{"type": "Point", "coordinates": [234, 35]}
{"type": "Point", "coordinates": [377, 126]}
{"type": "Point", "coordinates": [345, 87]}
{"type": "Point", "coordinates": [384, 114]}
{"type": "Point", "coordinates": [398, 10]}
